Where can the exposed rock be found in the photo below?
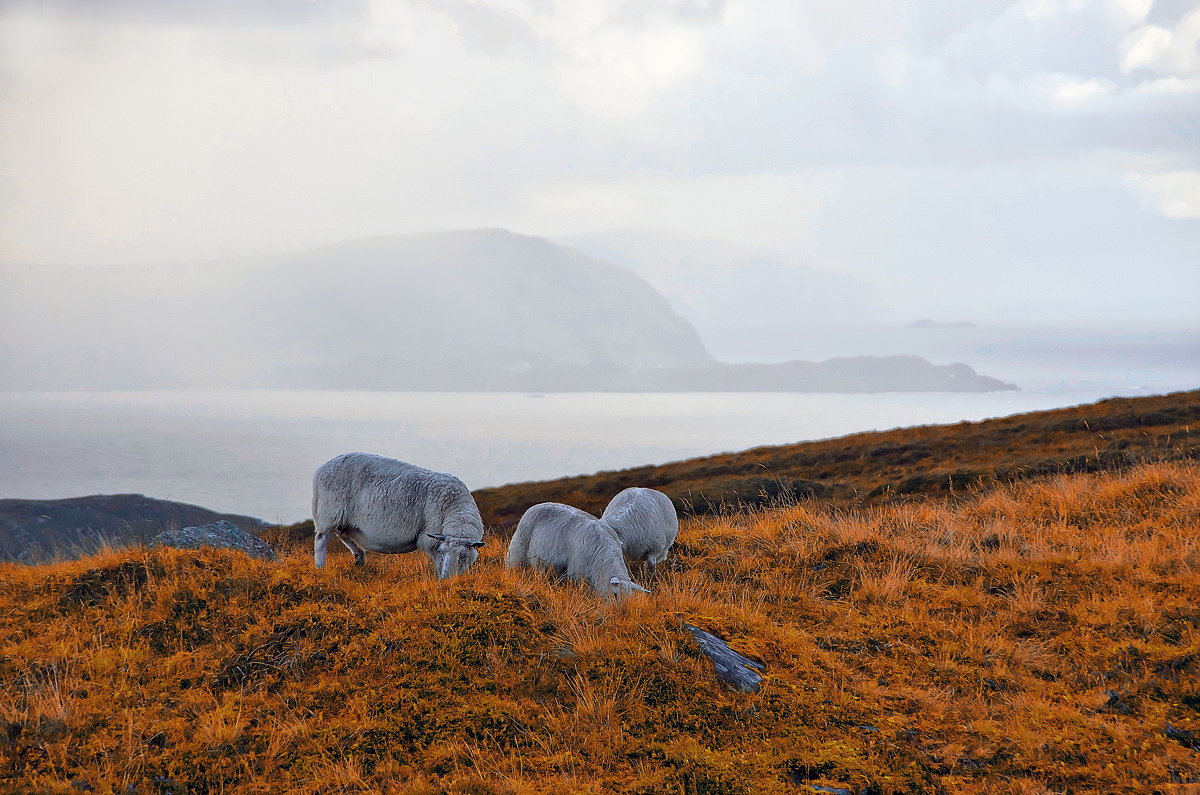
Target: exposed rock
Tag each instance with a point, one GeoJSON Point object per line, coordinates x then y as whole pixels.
{"type": "Point", "coordinates": [1185, 737]}
{"type": "Point", "coordinates": [221, 535]}
{"type": "Point", "coordinates": [37, 531]}
{"type": "Point", "coordinates": [740, 672]}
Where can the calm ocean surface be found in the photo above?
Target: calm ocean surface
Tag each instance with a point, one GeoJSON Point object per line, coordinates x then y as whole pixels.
{"type": "Point", "coordinates": [253, 452]}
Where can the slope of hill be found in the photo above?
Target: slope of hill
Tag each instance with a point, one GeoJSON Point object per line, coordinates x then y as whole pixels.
{"type": "Point", "coordinates": [937, 459]}
{"type": "Point", "coordinates": [1038, 637]}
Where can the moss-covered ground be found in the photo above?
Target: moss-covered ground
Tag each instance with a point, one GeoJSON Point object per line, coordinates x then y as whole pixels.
{"type": "Point", "coordinates": [1042, 637]}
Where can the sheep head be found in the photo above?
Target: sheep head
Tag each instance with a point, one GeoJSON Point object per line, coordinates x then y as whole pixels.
{"type": "Point", "coordinates": [620, 588]}
{"type": "Point", "coordinates": [453, 556]}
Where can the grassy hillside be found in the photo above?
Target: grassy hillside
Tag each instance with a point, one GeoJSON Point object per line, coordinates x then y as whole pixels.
{"type": "Point", "coordinates": [935, 459]}
{"type": "Point", "coordinates": [1043, 636]}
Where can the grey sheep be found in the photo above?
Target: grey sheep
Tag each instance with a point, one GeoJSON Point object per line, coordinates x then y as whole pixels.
{"type": "Point", "coordinates": [575, 544]}
{"type": "Point", "coordinates": [384, 505]}
{"type": "Point", "coordinates": [646, 522]}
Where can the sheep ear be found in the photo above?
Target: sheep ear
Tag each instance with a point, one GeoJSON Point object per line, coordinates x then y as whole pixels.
{"type": "Point", "coordinates": [477, 544]}
{"type": "Point", "coordinates": [640, 588]}
{"type": "Point", "coordinates": [436, 536]}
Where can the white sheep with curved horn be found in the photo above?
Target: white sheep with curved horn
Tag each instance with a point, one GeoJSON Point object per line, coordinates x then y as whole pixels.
{"type": "Point", "coordinates": [575, 544]}
{"type": "Point", "coordinates": [646, 522]}
{"type": "Point", "coordinates": [379, 504]}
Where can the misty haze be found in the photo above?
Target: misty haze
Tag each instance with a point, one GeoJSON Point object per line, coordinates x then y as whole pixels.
{"type": "Point", "coordinates": [734, 197]}
{"type": "Point", "coordinates": [860, 336]}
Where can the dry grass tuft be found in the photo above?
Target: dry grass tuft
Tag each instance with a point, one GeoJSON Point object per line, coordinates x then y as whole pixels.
{"type": "Point", "coordinates": [1030, 638]}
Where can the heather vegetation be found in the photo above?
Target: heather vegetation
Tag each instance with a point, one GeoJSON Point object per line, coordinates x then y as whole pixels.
{"type": "Point", "coordinates": [885, 466]}
{"type": "Point", "coordinates": [1031, 637]}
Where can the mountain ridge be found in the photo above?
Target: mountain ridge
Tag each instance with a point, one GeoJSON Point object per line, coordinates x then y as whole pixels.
{"type": "Point", "coordinates": [473, 310]}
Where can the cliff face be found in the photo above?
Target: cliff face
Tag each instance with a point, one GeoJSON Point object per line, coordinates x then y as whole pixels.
{"type": "Point", "coordinates": [457, 310]}
{"type": "Point", "coordinates": [467, 310]}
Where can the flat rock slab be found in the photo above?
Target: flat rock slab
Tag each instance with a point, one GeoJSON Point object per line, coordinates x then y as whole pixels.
{"type": "Point", "coordinates": [740, 672]}
{"type": "Point", "coordinates": [220, 535]}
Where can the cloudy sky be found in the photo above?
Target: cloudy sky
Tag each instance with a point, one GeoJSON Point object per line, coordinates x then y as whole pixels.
{"type": "Point", "coordinates": [1038, 158]}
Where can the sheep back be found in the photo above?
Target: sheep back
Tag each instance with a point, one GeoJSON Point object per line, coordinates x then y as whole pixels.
{"type": "Point", "coordinates": [572, 542]}
{"type": "Point", "coordinates": [646, 522]}
{"type": "Point", "coordinates": [392, 504]}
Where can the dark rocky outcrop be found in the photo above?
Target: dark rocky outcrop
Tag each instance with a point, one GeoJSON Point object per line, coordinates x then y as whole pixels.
{"type": "Point", "coordinates": [35, 531]}
{"type": "Point", "coordinates": [220, 535]}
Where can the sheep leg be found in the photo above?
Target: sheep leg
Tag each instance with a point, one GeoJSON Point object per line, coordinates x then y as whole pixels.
{"type": "Point", "coordinates": [320, 542]}
{"type": "Point", "coordinates": [350, 545]}
{"type": "Point", "coordinates": [652, 562]}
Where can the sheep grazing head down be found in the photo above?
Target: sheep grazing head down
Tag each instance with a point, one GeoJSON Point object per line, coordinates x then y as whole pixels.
{"type": "Point", "coordinates": [453, 556]}
{"type": "Point", "coordinates": [621, 588]}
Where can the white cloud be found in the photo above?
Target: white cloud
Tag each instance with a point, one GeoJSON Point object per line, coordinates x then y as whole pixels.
{"type": "Point", "coordinates": [1177, 192]}
{"type": "Point", "coordinates": [1134, 10]}
{"type": "Point", "coordinates": [1170, 86]}
{"type": "Point", "coordinates": [1173, 52]}
{"type": "Point", "coordinates": [771, 209]}
{"type": "Point", "coordinates": [617, 73]}
{"type": "Point", "coordinates": [1042, 9]}
{"type": "Point", "coordinates": [154, 134]}
{"type": "Point", "coordinates": [1074, 92]}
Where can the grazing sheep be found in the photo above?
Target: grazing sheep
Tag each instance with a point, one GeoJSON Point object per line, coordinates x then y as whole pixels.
{"type": "Point", "coordinates": [383, 505]}
{"type": "Point", "coordinates": [575, 544]}
{"type": "Point", "coordinates": [646, 522]}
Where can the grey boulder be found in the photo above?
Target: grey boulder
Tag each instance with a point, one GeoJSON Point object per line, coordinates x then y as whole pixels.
{"type": "Point", "coordinates": [221, 535]}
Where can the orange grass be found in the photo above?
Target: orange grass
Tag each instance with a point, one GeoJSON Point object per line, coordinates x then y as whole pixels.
{"type": "Point", "coordinates": [886, 466]}
{"type": "Point", "coordinates": [1029, 638]}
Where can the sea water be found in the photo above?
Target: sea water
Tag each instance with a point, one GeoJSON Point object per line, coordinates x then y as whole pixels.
{"type": "Point", "coordinates": [253, 452]}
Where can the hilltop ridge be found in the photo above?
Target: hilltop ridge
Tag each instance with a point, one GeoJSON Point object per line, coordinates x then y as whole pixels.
{"type": "Point", "coordinates": [898, 464]}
